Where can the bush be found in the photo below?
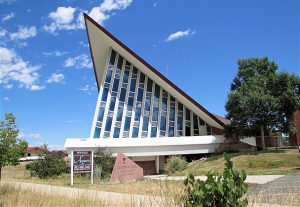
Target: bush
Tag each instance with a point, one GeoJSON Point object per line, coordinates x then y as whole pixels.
{"type": "Point", "coordinates": [175, 164]}
{"type": "Point", "coordinates": [52, 165]}
{"type": "Point", "coordinates": [218, 190]}
{"type": "Point", "coordinates": [103, 162]}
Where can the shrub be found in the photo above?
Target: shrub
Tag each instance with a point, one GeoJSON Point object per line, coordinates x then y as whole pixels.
{"type": "Point", "coordinates": [52, 165]}
{"type": "Point", "coordinates": [175, 164]}
{"type": "Point", "coordinates": [103, 162]}
{"type": "Point", "coordinates": [224, 190]}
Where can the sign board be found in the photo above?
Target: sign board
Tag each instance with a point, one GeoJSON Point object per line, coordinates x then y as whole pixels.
{"type": "Point", "coordinates": [125, 170]}
{"type": "Point", "coordinates": [82, 162]}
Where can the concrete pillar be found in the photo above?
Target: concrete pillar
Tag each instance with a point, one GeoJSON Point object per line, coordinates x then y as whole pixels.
{"type": "Point", "coordinates": [157, 164]}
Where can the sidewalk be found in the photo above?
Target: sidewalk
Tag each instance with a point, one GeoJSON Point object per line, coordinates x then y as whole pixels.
{"type": "Point", "coordinates": [253, 179]}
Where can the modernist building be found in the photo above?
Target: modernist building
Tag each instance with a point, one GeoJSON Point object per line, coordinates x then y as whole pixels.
{"type": "Point", "coordinates": [139, 112]}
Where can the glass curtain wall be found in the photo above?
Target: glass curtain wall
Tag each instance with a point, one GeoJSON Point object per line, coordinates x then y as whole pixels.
{"type": "Point", "coordinates": [133, 105]}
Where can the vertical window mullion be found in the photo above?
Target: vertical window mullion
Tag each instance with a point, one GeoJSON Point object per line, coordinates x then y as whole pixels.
{"type": "Point", "coordinates": [117, 100]}
{"type": "Point", "coordinates": [134, 103]}
{"type": "Point", "coordinates": [126, 101]}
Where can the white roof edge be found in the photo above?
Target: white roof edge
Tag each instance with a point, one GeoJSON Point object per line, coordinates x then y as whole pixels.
{"type": "Point", "coordinates": [141, 142]}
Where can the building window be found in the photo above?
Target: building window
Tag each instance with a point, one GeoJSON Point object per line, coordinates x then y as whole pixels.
{"type": "Point", "coordinates": [180, 119]}
{"type": "Point", "coordinates": [171, 117]}
{"type": "Point", "coordinates": [195, 124]}
{"type": "Point", "coordinates": [163, 116]}
{"type": "Point", "coordinates": [147, 108]}
{"type": "Point", "coordinates": [187, 122]}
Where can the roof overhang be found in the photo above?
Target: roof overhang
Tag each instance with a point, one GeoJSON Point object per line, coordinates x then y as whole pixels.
{"type": "Point", "coordinates": [100, 42]}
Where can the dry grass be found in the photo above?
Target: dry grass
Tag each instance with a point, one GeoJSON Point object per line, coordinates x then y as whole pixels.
{"type": "Point", "coordinates": [10, 196]}
{"type": "Point", "coordinates": [153, 187]}
{"type": "Point", "coordinates": [270, 162]}
{"type": "Point", "coordinates": [280, 197]}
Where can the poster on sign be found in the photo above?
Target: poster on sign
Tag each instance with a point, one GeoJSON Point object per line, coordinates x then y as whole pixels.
{"type": "Point", "coordinates": [82, 162]}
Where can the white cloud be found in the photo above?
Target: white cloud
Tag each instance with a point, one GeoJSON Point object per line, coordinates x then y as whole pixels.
{"type": "Point", "coordinates": [64, 17]}
{"type": "Point", "coordinates": [80, 61]}
{"type": "Point", "coordinates": [23, 33]}
{"type": "Point", "coordinates": [30, 135]}
{"type": "Point", "coordinates": [155, 4]}
{"type": "Point", "coordinates": [180, 34]}
{"type": "Point", "coordinates": [34, 135]}
{"type": "Point", "coordinates": [22, 44]}
{"type": "Point", "coordinates": [6, 99]}
{"type": "Point", "coordinates": [83, 44]}
{"type": "Point", "coordinates": [36, 88]}
{"type": "Point", "coordinates": [73, 121]}
{"type": "Point", "coordinates": [56, 78]}
{"type": "Point", "coordinates": [8, 16]}
{"type": "Point", "coordinates": [54, 53]}
{"type": "Point", "coordinates": [8, 86]}
{"type": "Point", "coordinates": [14, 68]}
{"type": "Point", "coordinates": [7, 1]}
{"type": "Point", "coordinates": [87, 89]}
{"type": "Point", "coordinates": [3, 32]}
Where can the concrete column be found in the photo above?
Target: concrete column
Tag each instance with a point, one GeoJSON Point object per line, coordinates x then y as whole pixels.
{"type": "Point", "coordinates": [157, 164]}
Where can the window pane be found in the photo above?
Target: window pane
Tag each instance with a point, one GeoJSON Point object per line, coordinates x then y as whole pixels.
{"type": "Point", "coordinates": [123, 94]}
{"type": "Point", "coordinates": [108, 124]}
{"type": "Point", "coordinates": [147, 104]}
{"type": "Point", "coordinates": [101, 114]}
{"type": "Point", "coordinates": [142, 78]}
{"type": "Point", "coordinates": [108, 76]}
{"type": "Point", "coordinates": [116, 132]}
{"type": "Point", "coordinates": [149, 85]}
{"type": "Point", "coordinates": [137, 114]}
{"type": "Point", "coordinates": [164, 104]}
{"type": "Point", "coordinates": [116, 85]}
{"type": "Point", "coordinates": [127, 123]}
{"type": "Point", "coordinates": [120, 114]}
{"type": "Point", "coordinates": [132, 85]}
{"type": "Point", "coordinates": [180, 106]}
{"type": "Point", "coordinates": [179, 123]}
{"type": "Point", "coordinates": [155, 114]}
{"type": "Point", "coordinates": [187, 131]}
{"type": "Point", "coordinates": [112, 57]}
{"type": "Point", "coordinates": [172, 114]}
{"type": "Point", "coordinates": [130, 104]}
{"type": "Point", "coordinates": [153, 131]}
{"type": "Point", "coordinates": [112, 103]}
{"type": "Point", "coordinates": [140, 95]}
{"type": "Point", "coordinates": [145, 123]}
{"type": "Point", "coordinates": [187, 114]}
{"type": "Point", "coordinates": [135, 132]}
{"type": "Point", "coordinates": [97, 132]}
{"type": "Point", "coordinates": [120, 62]}
{"type": "Point", "coordinates": [195, 119]}
{"type": "Point", "coordinates": [163, 123]}
{"type": "Point", "coordinates": [104, 94]}
{"type": "Point", "coordinates": [171, 132]}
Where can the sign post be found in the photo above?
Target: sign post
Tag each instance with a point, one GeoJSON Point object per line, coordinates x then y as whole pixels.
{"type": "Point", "coordinates": [82, 162]}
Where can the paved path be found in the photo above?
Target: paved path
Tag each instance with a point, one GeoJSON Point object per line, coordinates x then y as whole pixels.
{"type": "Point", "coordinates": [255, 179]}
{"type": "Point", "coordinates": [103, 196]}
{"type": "Point", "coordinates": [285, 189]}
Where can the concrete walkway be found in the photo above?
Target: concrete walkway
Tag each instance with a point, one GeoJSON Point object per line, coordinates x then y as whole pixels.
{"type": "Point", "coordinates": [283, 190]}
{"type": "Point", "coordinates": [255, 179]}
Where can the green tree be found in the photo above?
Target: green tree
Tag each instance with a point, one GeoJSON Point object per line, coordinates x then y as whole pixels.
{"type": "Point", "coordinates": [52, 164]}
{"type": "Point", "coordinates": [261, 99]}
{"type": "Point", "coordinates": [11, 147]}
{"type": "Point", "coordinates": [104, 160]}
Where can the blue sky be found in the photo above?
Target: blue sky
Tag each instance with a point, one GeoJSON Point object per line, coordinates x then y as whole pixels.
{"type": "Point", "coordinates": [46, 75]}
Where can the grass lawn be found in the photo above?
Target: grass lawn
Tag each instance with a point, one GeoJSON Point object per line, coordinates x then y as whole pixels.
{"type": "Point", "coordinates": [269, 162]}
